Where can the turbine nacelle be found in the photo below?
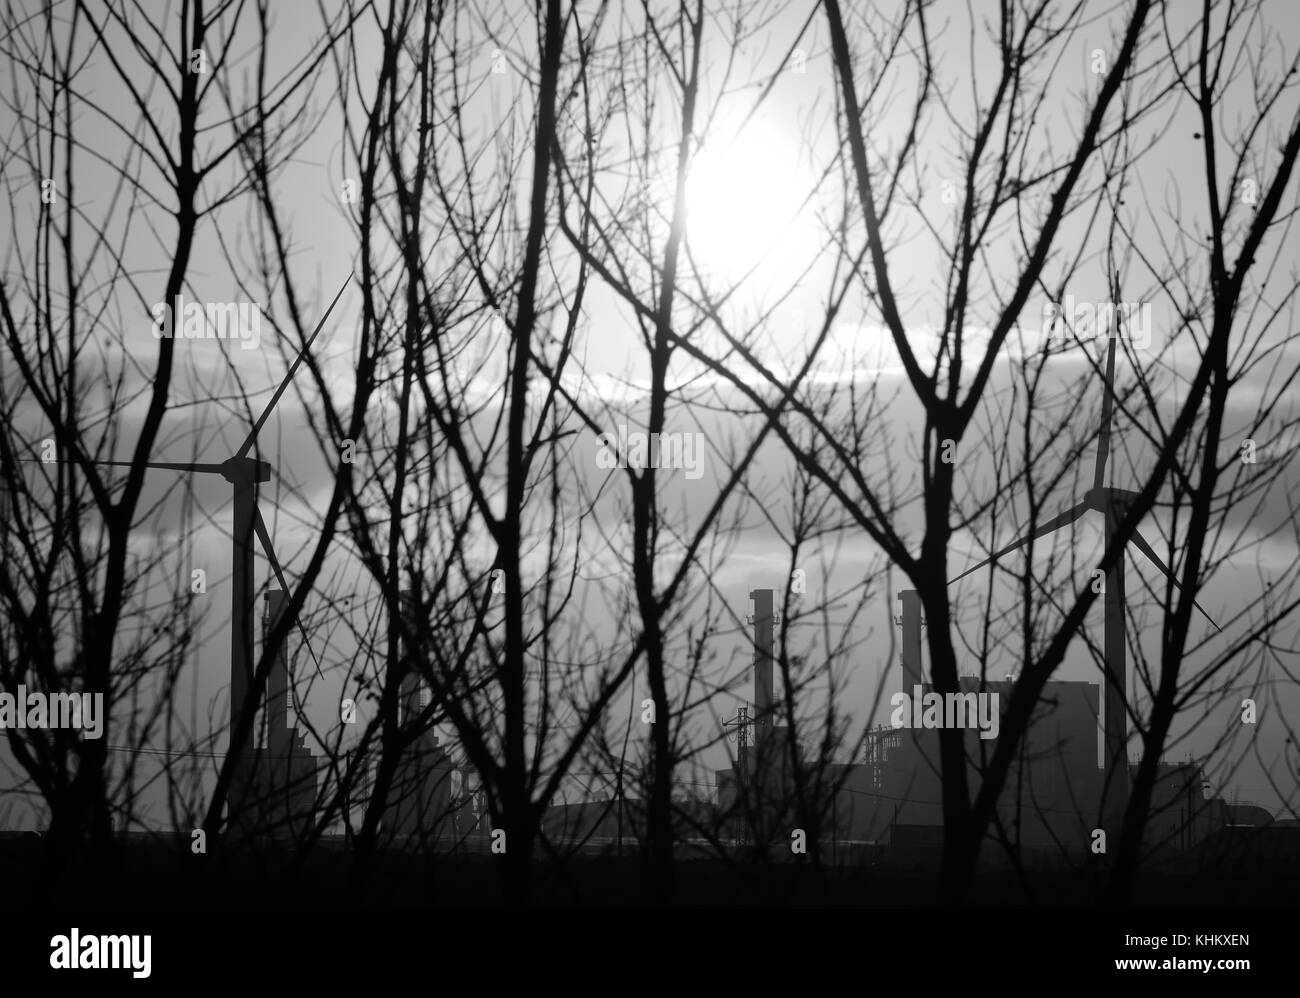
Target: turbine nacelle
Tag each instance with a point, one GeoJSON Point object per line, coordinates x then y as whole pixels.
{"type": "Point", "coordinates": [245, 471]}
{"type": "Point", "coordinates": [1107, 499]}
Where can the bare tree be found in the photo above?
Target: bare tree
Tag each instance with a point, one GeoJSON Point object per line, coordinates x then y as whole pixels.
{"type": "Point", "coordinates": [542, 456]}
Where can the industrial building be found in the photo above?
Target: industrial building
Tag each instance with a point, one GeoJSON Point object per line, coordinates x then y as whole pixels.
{"type": "Point", "coordinates": [754, 795]}
{"type": "Point", "coordinates": [421, 793]}
{"type": "Point", "coordinates": [280, 793]}
{"type": "Point", "coordinates": [888, 801]}
{"type": "Point", "coordinates": [1052, 802]}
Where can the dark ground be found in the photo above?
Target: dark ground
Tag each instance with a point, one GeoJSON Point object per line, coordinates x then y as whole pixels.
{"type": "Point", "coordinates": [161, 873]}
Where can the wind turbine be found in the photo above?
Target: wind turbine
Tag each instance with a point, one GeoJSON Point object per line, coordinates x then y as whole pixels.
{"type": "Point", "coordinates": [244, 473]}
{"type": "Point", "coordinates": [1113, 504]}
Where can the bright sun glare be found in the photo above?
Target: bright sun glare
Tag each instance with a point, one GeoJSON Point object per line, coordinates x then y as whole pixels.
{"type": "Point", "coordinates": [742, 197]}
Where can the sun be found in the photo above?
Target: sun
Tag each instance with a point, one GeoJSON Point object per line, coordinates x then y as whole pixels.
{"type": "Point", "coordinates": [744, 195]}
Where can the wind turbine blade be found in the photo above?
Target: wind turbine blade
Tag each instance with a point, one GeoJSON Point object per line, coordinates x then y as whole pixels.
{"type": "Point", "coordinates": [257, 427]}
{"type": "Point", "coordinates": [1056, 523]}
{"type": "Point", "coordinates": [1107, 405]}
{"type": "Point", "coordinates": [213, 469]}
{"type": "Point", "coordinates": [265, 538]}
{"type": "Point", "coordinates": [1154, 558]}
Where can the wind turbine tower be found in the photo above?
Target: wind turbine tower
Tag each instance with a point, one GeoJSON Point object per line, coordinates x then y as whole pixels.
{"type": "Point", "coordinates": [1114, 505]}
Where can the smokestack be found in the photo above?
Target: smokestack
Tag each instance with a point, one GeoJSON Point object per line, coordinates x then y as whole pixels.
{"type": "Point", "coordinates": [410, 687]}
{"type": "Point", "coordinates": [277, 684]}
{"type": "Point", "coordinates": [763, 603]}
{"type": "Point", "coordinates": [911, 675]}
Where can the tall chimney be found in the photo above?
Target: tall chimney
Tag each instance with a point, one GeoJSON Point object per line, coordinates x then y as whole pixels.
{"type": "Point", "coordinates": [410, 686]}
{"type": "Point", "coordinates": [278, 727]}
{"type": "Point", "coordinates": [911, 675]}
{"type": "Point", "coordinates": [763, 603]}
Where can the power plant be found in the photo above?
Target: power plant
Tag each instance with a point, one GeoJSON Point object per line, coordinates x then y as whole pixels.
{"type": "Point", "coordinates": [890, 803]}
{"type": "Point", "coordinates": [277, 795]}
{"type": "Point", "coordinates": [421, 792]}
{"type": "Point", "coordinates": [887, 804]}
{"type": "Point", "coordinates": [274, 792]}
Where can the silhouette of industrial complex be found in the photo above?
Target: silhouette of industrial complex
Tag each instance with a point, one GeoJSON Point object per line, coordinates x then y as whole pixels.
{"type": "Point", "coordinates": [1060, 790]}
{"type": "Point", "coordinates": [887, 804]}
{"type": "Point", "coordinates": [1055, 795]}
